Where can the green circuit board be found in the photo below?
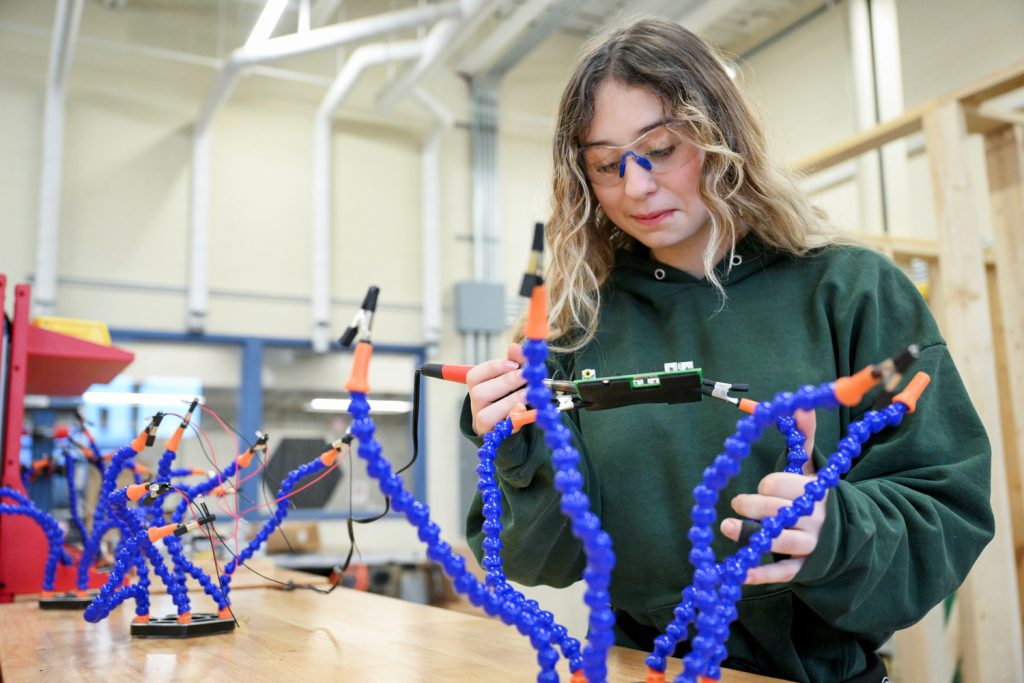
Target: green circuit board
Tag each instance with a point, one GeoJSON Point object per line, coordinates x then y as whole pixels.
{"type": "Point", "coordinates": [670, 386]}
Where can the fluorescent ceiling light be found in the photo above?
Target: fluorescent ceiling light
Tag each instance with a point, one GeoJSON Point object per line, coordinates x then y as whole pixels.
{"type": "Point", "coordinates": [340, 405]}
{"type": "Point", "coordinates": [265, 25]}
{"type": "Point", "coordinates": [122, 398]}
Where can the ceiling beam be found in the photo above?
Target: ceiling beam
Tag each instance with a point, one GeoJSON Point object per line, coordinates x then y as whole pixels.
{"type": "Point", "coordinates": [706, 14]}
{"type": "Point", "coordinates": [501, 38]}
{"type": "Point", "coordinates": [325, 11]}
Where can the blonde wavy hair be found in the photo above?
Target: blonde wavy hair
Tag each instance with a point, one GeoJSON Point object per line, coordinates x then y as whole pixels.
{"type": "Point", "coordinates": [739, 184]}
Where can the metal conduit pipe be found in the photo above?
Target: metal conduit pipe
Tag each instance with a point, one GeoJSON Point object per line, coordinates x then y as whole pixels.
{"type": "Point", "coordinates": [241, 59]}
{"type": "Point", "coordinates": [65, 29]}
{"type": "Point", "coordinates": [358, 62]}
{"type": "Point", "coordinates": [430, 173]}
{"type": "Point", "coordinates": [486, 197]}
{"type": "Point", "coordinates": [484, 89]}
{"type": "Point", "coordinates": [441, 43]}
{"type": "Point", "coordinates": [486, 194]}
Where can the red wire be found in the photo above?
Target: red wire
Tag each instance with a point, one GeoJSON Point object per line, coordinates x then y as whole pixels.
{"type": "Point", "coordinates": [234, 441]}
{"type": "Point", "coordinates": [227, 429]}
{"type": "Point", "coordinates": [217, 469]}
{"type": "Point", "coordinates": [289, 495]}
{"type": "Point", "coordinates": [253, 473]}
{"type": "Point", "coordinates": [189, 501]}
{"type": "Point", "coordinates": [220, 506]}
{"type": "Point", "coordinates": [212, 450]}
{"type": "Point", "coordinates": [213, 544]}
{"type": "Point", "coordinates": [220, 480]}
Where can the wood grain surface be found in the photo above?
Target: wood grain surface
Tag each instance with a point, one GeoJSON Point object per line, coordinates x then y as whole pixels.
{"type": "Point", "coordinates": [288, 636]}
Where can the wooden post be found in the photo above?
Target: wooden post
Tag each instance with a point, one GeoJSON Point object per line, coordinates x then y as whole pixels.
{"type": "Point", "coordinates": [1004, 156]}
{"type": "Point", "coordinates": [991, 627]}
{"type": "Point", "coordinates": [921, 655]}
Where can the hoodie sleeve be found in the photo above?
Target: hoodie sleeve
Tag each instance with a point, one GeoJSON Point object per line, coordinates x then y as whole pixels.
{"type": "Point", "coordinates": [538, 545]}
{"type": "Point", "coordinates": [906, 524]}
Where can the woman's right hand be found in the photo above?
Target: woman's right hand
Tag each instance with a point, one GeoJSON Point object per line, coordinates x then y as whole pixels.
{"type": "Point", "coordinates": [495, 387]}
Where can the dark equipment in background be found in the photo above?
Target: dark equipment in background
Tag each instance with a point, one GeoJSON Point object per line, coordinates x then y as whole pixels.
{"type": "Point", "coordinates": [289, 454]}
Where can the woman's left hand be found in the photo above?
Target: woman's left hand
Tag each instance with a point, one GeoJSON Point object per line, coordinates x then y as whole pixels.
{"type": "Point", "coordinates": [776, 491]}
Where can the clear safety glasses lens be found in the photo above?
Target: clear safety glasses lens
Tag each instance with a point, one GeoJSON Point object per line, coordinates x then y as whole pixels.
{"type": "Point", "coordinates": [659, 150]}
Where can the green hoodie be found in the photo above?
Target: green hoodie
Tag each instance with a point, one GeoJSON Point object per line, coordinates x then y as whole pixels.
{"type": "Point", "coordinates": [902, 529]}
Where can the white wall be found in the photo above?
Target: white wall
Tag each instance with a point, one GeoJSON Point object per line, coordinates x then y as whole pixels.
{"type": "Point", "coordinates": [804, 85]}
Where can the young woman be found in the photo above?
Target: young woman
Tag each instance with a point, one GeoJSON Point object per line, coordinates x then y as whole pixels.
{"type": "Point", "coordinates": [673, 237]}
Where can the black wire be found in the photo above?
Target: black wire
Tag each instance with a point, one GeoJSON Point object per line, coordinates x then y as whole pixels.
{"type": "Point", "coordinates": [289, 585]}
{"type": "Point", "coordinates": [415, 420]}
{"type": "Point", "coordinates": [213, 550]}
{"type": "Point", "coordinates": [352, 520]}
{"type": "Point", "coordinates": [232, 428]}
{"type": "Point", "coordinates": [218, 470]}
{"type": "Point", "coordinates": [353, 548]}
{"type": "Point", "coordinates": [265, 488]}
{"type": "Point", "coordinates": [221, 472]}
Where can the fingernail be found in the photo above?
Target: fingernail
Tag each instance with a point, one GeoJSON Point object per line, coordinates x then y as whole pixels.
{"type": "Point", "coordinates": [511, 365]}
{"type": "Point", "coordinates": [729, 526]}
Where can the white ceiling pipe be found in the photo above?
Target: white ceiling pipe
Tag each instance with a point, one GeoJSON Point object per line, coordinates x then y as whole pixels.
{"type": "Point", "coordinates": [869, 185]}
{"type": "Point", "coordinates": [344, 33]}
{"type": "Point", "coordinates": [498, 42]}
{"type": "Point", "coordinates": [700, 18]}
{"type": "Point", "coordinates": [65, 29]}
{"type": "Point", "coordinates": [267, 21]}
{"type": "Point", "coordinates": [248, 56]}
{"type": "Point", "coordinates": [486, 198]}
{"type": "Point", "coordinates": [357, 62]}
{"type": "Point", "coordinates": [430, 178]}
{"type": "Point", "coordinates": [442, 41]}
{"type": "Point", "coordinates": [440, 466]}
{"type": "Point", "coordinates": [324, 10]}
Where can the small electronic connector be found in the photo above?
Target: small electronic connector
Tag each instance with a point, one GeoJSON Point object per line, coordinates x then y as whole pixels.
{"type": "Point", "coordinates": [720, 390]}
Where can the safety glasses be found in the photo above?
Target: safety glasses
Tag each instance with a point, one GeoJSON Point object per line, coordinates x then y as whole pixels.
{"type": "Point", "coordinates": [659, 150]}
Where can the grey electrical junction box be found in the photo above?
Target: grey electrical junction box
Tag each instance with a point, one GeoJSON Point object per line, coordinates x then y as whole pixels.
{"type": "Point", "coordinates": [479, 307]}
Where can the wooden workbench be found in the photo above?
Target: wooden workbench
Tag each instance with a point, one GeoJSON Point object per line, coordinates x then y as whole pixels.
{"type": "Point", "coordinates": [297, 636]}
{"type": "Point", "coordinates": [268, 576]}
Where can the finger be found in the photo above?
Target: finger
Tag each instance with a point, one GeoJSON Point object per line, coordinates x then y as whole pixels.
{"type": "Point", "coordinates": [775, 572]}
{"type": "Point", "coordinates": [496, 388]}
{"type": "Point", "coordinates": [739, 530]}
{"type": "Point", "coordinates": [789, 542]}
{"type": "Point", "coordinates": [488, 370]}
{"type": "Point", "coordinates": [795, 542]}
{"type": "Point", "coordinates": [491, 414]}
{"type": "Point", "coordinates": [783, 485]}
{"type": "Point", "coordinates": [755, 506]}
{"type": "Point", "coordinates": [806, 422]}
{"type": "Point", "coordinates": [515, 353]}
